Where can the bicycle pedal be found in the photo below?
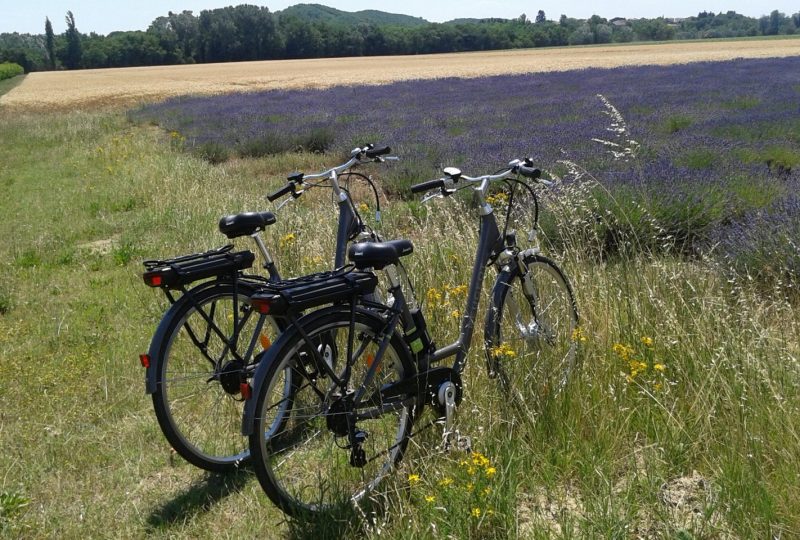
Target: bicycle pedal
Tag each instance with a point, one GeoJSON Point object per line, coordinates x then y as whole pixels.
{"type": "Point", "coordinates": [454, 441]}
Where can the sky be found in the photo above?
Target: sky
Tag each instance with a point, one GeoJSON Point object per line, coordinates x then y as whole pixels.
{"type": "Point", "coordinates": [104, 16]}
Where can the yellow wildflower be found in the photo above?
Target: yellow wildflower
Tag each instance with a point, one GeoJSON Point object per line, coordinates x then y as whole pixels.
{"type": "Point", "coordinates": [503, 350]}
{"type": "Point", "coordinates": [455, 314]}
{"type": "Point", "coordinates": [480, 460]}
{"type": "Point", "coordinates": [363, 207]}
{"type": "Point", "coordinates": [660, 367]}
{"type": "Point", "coordinates": [444, 482]}
{"type": "Point", "coordinates": [490, 471]}
{"type": "Point", "coordinates": [287, 240]}
{"type": "Point", "coordinates": [623, 351]}
{"type": "Point", "coordinates": [647, 341]}
{"type": "Point", "coordinates": [578, 335]}
{"type": "Point", "coordinates": [430, 499]}
{"type": "Point", "coordinates": [433, 296]}
{"type": "Point", "coordinates": [413, 479]}
{"type": "Point", "coordinates": [476, 512]}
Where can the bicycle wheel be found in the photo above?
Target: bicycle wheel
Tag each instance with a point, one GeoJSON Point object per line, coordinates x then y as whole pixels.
{"type": "Point", "coordinates": [303, 456]}
{"type": "Point", "coordinates": [201, 359]}
{"type": "Point", "coordinates": [530, 332]}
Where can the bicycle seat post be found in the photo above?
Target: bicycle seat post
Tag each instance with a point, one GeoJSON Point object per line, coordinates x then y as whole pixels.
{"type": "Point", "coordinates": [269, 263]}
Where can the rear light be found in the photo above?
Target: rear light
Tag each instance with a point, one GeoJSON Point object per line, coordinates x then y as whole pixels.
{"type": "Point", "coordinates": [246, 390]}
{"type": "Point", "coordinates": [154, 280]}
{"type": "Point", "coordinates": [261, 304]}
{"type": "Point", "coordinates": [145, 360]}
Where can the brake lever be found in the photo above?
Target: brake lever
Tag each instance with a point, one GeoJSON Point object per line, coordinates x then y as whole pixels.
{"type": "Point", "coordinates": [436, 194]}
{"type": "Point", "coordinates": [283, 203]}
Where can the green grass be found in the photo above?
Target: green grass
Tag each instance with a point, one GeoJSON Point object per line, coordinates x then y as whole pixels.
{"type": "Point", "coordinates": [6, 85]}
{"type": "Point", "coordinates": [704, 446]}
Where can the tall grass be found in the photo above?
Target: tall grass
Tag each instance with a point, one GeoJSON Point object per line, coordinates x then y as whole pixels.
{"type": "Point", "coordinates": [683, 420]}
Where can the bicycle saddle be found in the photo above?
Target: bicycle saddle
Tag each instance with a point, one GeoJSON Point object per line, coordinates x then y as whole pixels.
{"type": "Point", "coordinates": [245, 224]}
{"type": "Point", "coordinates": [378, 255]}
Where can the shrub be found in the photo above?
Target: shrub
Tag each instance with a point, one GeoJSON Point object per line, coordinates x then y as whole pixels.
{"type": "Point", "coordinates": [9, 69]}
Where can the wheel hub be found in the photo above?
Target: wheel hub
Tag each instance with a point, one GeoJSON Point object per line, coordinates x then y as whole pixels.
{"type": "Point", "coordinates": [231, 376]}
{"type": "Point", "coordinates": [338, 417]}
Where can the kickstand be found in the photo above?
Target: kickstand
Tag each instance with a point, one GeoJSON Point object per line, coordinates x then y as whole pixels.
{"type": "Point", "coordinates": [451, 438]}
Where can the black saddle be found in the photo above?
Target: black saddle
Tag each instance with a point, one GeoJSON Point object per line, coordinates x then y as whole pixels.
{"type": "Point", "coordinates": [378, 255]}
{"type": "Point", "coordinates": [245, 224]}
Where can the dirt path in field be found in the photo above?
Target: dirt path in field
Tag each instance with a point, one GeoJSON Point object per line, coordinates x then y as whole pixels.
{"type": "Point", "coordinates": [126, 86]}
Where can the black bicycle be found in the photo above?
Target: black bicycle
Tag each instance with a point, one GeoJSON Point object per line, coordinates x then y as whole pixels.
{"type": "Point", "coordinates": [342, 428]}
{"type": "Point", "coordinates": [204, 349]}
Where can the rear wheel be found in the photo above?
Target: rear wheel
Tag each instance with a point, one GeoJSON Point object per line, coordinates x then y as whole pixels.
{"type": "Point", "coordinates": [204, 354]}
{"type": "Point", "coordinates": [326, 451]}
{"type": "Point", "coordinates": [530, 332]}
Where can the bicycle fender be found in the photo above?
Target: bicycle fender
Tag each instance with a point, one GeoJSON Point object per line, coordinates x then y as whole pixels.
{"type": "Point", "coordinates": [501, 283]}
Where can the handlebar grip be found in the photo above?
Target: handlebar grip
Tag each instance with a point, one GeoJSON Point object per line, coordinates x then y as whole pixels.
{"type": "Point", "coordinates": [375, 152]}
{"type": "Point", "coordinates": [427, 186]}
{"type": "Point", "coordinates": [529, 172]}
{"type": "Point", "coordinates": [288, 188]}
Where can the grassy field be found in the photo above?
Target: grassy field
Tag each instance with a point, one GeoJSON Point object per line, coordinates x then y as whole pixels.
{"type": "Point", "coordinates": [65, 90]}
{"type": "Point", "coordinates": [701, 442]}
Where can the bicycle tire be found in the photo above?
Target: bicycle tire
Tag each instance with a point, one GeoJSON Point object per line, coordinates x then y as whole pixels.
{"type": "Point", "coordinates": [198, 416]}
{"type": "Point", "coordinates": [301, 462]}
{"type": "Point", "coordinates": [530, 339]}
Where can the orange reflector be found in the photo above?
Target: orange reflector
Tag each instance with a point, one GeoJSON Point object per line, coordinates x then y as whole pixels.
{"type": "Point", "coordinates": [145, 360]}
{"type": "Point", "coordinates": [371, 360]}
{"type": "Point", "coordinates": [246, 390]}
{"type": "Point", "coordinates": [265, 342]}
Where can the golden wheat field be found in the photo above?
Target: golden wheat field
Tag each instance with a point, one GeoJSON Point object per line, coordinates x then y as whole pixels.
{"type": "Point", "coordinates": [126, 86]}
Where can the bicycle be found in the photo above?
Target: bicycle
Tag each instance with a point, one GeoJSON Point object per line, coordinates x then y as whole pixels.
{"type": "Point", "coordinates": [346, 426]}
{"type": "Point", "coordinates": [203, 349]}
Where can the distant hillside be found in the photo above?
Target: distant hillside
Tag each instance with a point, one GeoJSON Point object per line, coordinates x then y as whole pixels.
{"type": "Point", "coordinates": [476, 21]}
{"type": "Point", "coordinates": [320, 13]}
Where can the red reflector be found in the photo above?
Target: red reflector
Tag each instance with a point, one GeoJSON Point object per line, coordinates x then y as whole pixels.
{"type": "Point", "coordinates": [154, 280]}
{"type": "Point", "coordinates": [145, 360]}
{"type": "Point", "coordinates": [245, 390]}
{"type": "Point", "coordinates": [261, 305]}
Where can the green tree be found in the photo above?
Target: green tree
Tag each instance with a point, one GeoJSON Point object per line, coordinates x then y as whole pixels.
{"type": "Point", "coordinates": [50, 43]}
{"type": "Point", "coordinates": [540, 18]}
{"type": "Point", "coordinates": [73, 52]}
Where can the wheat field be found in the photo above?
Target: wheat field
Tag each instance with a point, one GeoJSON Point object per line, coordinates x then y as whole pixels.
{"type": "Point", "coordinates": [69, 90]}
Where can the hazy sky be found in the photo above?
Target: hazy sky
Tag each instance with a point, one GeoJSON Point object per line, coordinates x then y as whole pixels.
{"type": "Point", "coordinates": [104, 16]}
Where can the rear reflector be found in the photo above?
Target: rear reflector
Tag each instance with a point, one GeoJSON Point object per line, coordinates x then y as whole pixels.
{"type": "Point", "coordinates": [145, 360]}
{"type": "Point", "coordinates": [261, 305]}
{"type": "Point", "coordinates": [154, 280]}
{"type": "Point", "coordinates": [265, 341]}
{"type": "Point", "coordinates": [245, 390]}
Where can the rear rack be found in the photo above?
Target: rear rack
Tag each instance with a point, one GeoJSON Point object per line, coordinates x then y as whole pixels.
{"type": "Point", "coordinates": [298, 294]}
{"type": "Point", "coordinates": [186, 269]}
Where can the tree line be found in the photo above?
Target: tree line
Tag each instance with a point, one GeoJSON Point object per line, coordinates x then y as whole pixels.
{"type": "Point", "coordinates": [248, 32]}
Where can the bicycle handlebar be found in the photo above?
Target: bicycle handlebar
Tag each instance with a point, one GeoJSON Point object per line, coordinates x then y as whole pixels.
{"type": "Point", "coordinates": [427, 186]}
{"type": "Point", "coordinates": [517, 166]}
{"type": "Point", "coordinates": [288, 188]}
{"type": "Point", "coordinates": [375, 152]}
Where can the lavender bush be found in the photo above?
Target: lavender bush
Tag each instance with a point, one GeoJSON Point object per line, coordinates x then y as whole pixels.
{"type": "Point", "coordinates": [701, 148]}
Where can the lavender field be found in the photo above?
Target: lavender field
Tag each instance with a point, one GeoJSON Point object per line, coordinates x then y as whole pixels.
{"type": "Point", "coordinates": [710, 151]}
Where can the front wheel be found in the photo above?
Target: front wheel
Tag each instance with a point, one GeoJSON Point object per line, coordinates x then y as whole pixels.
{"type": "Point", "coordinates": [329, 449]}
{"type": "Point", "coordinates": [530, 332]}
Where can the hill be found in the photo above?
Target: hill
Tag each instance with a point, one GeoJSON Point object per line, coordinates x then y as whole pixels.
{"type": "Point", "coordinates": [320, 13]}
